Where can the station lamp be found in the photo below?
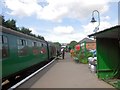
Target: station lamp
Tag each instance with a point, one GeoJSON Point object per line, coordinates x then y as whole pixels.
{"type": "Point", "coordinates": [93, 20]}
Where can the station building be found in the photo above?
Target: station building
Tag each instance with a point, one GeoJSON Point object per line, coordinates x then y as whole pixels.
{"type": "Point", "coordinates": [108, 53]}
{"type": "Point", "coordinates": [88, 43]}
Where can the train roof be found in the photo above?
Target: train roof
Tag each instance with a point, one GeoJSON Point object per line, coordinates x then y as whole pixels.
{"type": "Point", "coordinates": [10, 31]}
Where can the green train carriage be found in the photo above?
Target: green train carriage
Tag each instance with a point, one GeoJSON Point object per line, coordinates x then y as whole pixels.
{"type": "Point", "coordinates": [52, 50]}
{"type": "Point", "coordinates": [21, 51]}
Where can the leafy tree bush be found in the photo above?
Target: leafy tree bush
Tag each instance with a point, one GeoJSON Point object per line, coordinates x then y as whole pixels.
{"type": "Point", "coordinates": [82, 56]}
{"type": "Point", "coordinates": [72, 44]}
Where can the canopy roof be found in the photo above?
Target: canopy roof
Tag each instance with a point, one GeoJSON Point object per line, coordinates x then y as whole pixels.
{"type": "Point", "coordinates": [112, 32]}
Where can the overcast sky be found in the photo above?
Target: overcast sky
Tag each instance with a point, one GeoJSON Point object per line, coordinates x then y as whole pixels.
{"type": "Point", "coordinates": [61, 20]}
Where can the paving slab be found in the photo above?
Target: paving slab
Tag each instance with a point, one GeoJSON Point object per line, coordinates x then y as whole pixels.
{"type": "Point", "coordinates": [68, 74]}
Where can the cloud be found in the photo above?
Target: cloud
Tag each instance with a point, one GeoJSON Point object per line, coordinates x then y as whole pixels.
{"type": "Point", "coordinates": [105, 18]}
{"type": "Point", "coordinates": [56, 10]}
{"type": "Point", "coordinates": [34, 30]}
{"type": "Point", "coordinates": [62, 34]}
{"type": "Point", "coordinates": [65, 38]}
{"type": "Point", "coordinates": [22, 8]}
{"type": "Point", "coordinates": [63, 30]}
{"type": "Point", "coordinates": [89, 28]}
{"type": "Point", "coordinates": [37, 31]}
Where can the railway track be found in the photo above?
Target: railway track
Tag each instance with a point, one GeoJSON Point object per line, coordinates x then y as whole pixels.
{"type": "Point", "coordinates": [29, 80]}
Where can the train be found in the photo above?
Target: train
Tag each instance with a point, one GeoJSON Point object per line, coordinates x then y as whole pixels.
{"type": "Point", "coordinates": [20, 52]}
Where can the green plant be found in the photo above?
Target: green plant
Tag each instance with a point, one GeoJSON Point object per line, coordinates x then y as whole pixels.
{"type": "Point", "coordinates": [84, 60]}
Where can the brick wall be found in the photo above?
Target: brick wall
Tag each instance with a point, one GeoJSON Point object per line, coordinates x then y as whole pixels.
{"type": "Point", "coordinates": [91, 45]}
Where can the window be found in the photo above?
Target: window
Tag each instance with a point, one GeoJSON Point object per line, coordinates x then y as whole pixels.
{"type": "Point", "coordinates": [4, 46]}
{"type": "Point", "coordinates": [42, 45]}
{"type": "Point", "coordinates": [39, 44]}
{"type": "Point", "coordinates": [22, 47]}
{"type": "Point", "coordinates": [34, 44]}
{"type": "Point", "coordinates": [4, 40]}
{"type": "Point", "coordinates": [22, 42]}
{"type": "Point", "coordinates": [35, 48]}
{"type": "Point", "coordinates": [0, 46]}
{"type": "Point", "coordinates": [0, 39]}
{"type": "Point", "coordinates": [45, 44]}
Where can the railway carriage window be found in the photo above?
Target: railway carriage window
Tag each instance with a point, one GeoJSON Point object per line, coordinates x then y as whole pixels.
{"type": "Point", "coordinates": [42, 45]}
{"type": "Point", "coordinates": [35, 44]}
{"type": "Point", "coordinates": [22, 42]}
{"type": "Point", "coordinates": [39, 44]}
{"type": "Point", "coordinates": [22, 47]}
{"type": "Point", "coordinates": [4, 47]}
{"type": "Point", "coordinates": [32, 44]}
{"type": "Point", "coordinates": [0, 39]}
{"type": "Point", "coordinates": [45, 45]}
{"type": "Point", "coordinates": [29, 44]}
{"type": "Point", "coordinates": [35, 48]}
{"type": "Point", "coordinates": [4, 40]}
{"type": "Point", "coordinates": [0, 46]}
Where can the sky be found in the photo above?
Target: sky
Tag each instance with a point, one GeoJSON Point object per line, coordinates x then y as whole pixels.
{"type": "Point", "coordinates": [61, 20]}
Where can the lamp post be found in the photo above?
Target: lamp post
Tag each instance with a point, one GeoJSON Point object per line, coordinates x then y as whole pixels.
{"type": "Point", "coordinates": [93, 20]}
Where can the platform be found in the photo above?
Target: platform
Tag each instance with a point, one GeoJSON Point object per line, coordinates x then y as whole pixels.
{"type": "Point", "coordinates": [68, 74]}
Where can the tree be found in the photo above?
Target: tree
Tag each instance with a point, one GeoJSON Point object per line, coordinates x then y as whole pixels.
{"type": "Point", "coordinates": [25, 30]}
{"type": "Point", "coordinates": [57, 43]}
{"type": "Point", "coordinates": [2, 20]}
{"type": "Point", "coordinates": [11, 24]}
{"type": "Point", "coordinates": [43, 38]}
{"type": "Point", "coordinates": [72, 44]}
{"type": "Point", "coordinates": [40, 37]}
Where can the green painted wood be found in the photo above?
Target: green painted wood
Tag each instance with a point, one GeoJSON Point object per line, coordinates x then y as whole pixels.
{"type": "Point", "coordinates": [108, 58]}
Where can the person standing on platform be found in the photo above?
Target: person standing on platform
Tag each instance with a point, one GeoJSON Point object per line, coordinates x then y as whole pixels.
{"type": "Point", "coordinates": [63, 53]}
